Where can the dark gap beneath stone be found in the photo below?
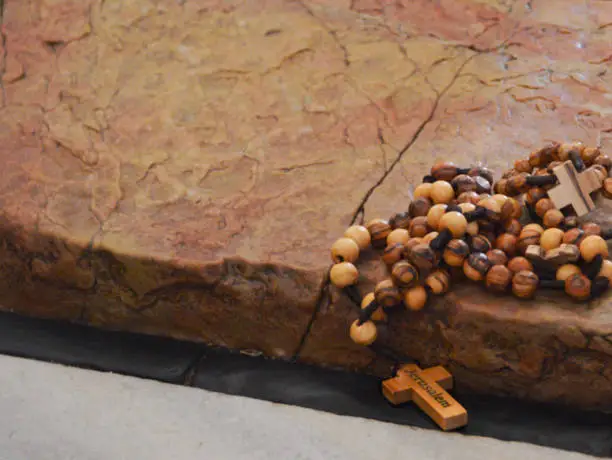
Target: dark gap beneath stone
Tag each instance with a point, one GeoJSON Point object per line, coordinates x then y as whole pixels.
{"type": "Point", "coordinates": [338, 392]}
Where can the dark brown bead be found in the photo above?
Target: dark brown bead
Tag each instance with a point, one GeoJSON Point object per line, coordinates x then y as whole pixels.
{"type": "Point", "coordinates": [480, 171]}
{"type": "Point", "coordinates": [524, 284]}
{"type": "Point", "coordinates": [574, 236]}
{"type": "Point", "coordinates": [497, 257]}
{"type": "Point", "coordinates": [523, 166]}
{"type": "Point", "coordinates": [379, 230]}
{"type": "Point", "coordinates": [481, 243]}
{"type": "Point", "coordinates": [463, 183]}
{"type": "Point", "coordinates": [498, 278]}
{"type": "Point", "coordinates": [527, 237]}
{"type": "Point", "coordinates": [468, 197]}
{"type": "Point", "coordinates": [423, 258]}
{"type": "Point", "coordinates": [589, 155]}
{"type": "Point", "coordinates": [393, 253]}
{"type": "Point", "coordinates": [603, 160]}
{"type": "Point", "coordinates": [404, 274]}
{"type": "Point", "coordinates": [476, 266]}
{"type": "Point", "coordinates": [513, 227]}
{"type": "Point", "coordinates": [444, 171]}
{"type": "Point", "coordinates": [543, 156]}
{"type": "Point", "coordinates": [578, 287]}
{"type": "Point", "coordinates": [501, 186]}
{"type": "Point", "coordinates": [386, 294]}
{"type": "Point", "coordinates": [418, 227]}
{"type": "Point", "coordinates": [534, 194]}
{"type": "Point", "coordinates": [543, 205]}
{"type": "Point", "coordinates": [455, 252]}
{"type": "Point", "coordinates": [420, 206]}
{"type": "Point", "coordinates": [507, 243]}
{"type": "Point", "coordinates": [438, 282]}
{"type": "Point", "coordinates": [517, 185]}
{"type": "Point", "coordinates": [400, 220]}
{"type": "Point", "coordinates": [591, 228]}
{"type": "Point", "coordinates": [607, 188]}
{"type": "Point", "coordinates": [511, 209]}
{"type": "Point", "coordinates": [482, 185]}
{"type": "Point", "coordinates": [509, 173]}
{"type": "Point", "coordinates": [553, 218]}
{"type": "Point", "coordinates": [519, 263]}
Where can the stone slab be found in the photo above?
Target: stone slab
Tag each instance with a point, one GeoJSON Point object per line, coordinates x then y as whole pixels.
{"type": "Point", "coordinates": [181, 168]}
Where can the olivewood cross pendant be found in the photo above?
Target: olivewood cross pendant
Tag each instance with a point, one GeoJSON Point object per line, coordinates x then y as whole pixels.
{"type": "Point", "coordinates": [427, 389]}
{"type": "Point", "coordinates": [574, 188]}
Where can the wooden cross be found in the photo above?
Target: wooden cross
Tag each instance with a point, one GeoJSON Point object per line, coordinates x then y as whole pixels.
{"type": "Point", "coordinates": [574, 188]}
{"type": "Point", "coordinates": [427, 389]}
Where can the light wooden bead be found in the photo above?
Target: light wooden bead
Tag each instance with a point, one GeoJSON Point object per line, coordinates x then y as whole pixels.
{"type": "Point", "coordinates": [412, 242]}
{"type": "Point", "coordinates": [430, 237]}
{"type": "Point", "coordinates": [469, 197]}
{"type": "Point", "coordinates": [404, 274]}
{"type": "Point", "coordinates": [534, 195]}
{"type": "Point", "coordinates": [564, 150]}
{"type": "Point", "coordinates": [519, 264]}
{"type": "Point", "coordinates": [435, 214]}
{"type": "Point", "coordinates": [455, 252]}
{"type": "Point", "coordinates": [507, 243]}
{"type": "Point", "coordinates": [345, 250]}
{"type": "Point", "coordinates": [442, 192]}
{"type": "Point", "coordinates": [386, 294]}
{"type": "Point", "coordinates": [393, 253]}
{"type": "Point", "coordinates": [423, 190]}
{"type": "Point", "coordinates": [593, 245]}
{"type": "Point", "coordinates": [498, 278]}
{"type": "Point", "coordinates": [511, 209]}
{"type": "Point", "coordinates": [438, 281]}
{"type": "Point", "coordinates": [567, 270]}
{"type": "Point", "coordinates": [535, 227]}
{"type": "Point", "coordinates": [379, 314]}
{"type": "Point", "coordinates": [525, 284]}
{"type": "Point", "coordinates": [360, 235]}
{"type": "Point", "coordinates": [553, 218]}
{"type": "Point", "coordinates": [379, 230]}
{"type": "Point", "coordinates": [415, 298]}
{"type": "Point", "coordinates": [467, 207]}
{"type": "Point", "coordinates": [343, 274]}
{"type": "Point", "coordinates": [578, 287]}
{"type": "Point", "coordinates": [490, 204]}
{"type": "Point", "coordinates": [364, 334]}
{"type": "Point", "coordinates": [551, 238]}
{"type": "Point", "coordinates": [399, 235]}
{"type": "Point", "coordinates": [590, 154]}
{"type": "Point", "coordinates": [543, 205]}
{"type": "Point", "coordinates": [606, 270]}
{"type": "Point", "coordinates": [455, 222]}
{"type": "Point", "coordinates": [419, 227]}
{"type": "Point", "coordinates": [523, 165]}
{"type": "Point", "coordinates": [499, 199]}
{"type": "Point", "coordinates": [472, 228]}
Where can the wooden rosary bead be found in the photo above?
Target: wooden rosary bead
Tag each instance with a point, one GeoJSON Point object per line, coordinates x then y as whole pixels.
{"type": "Point", "coordinates": [591, 228]}
{"type": "Point", "coordinates": [379, 231]}
{"type": "Point", "coordinates": [393, 253]}
{"type": "Point", "coordinates": [523, 165]}
{"type": "Point", "coordinates": [404, 274]}
{"type": "Point", "coordinates": [423, 190]}
{"type": "Point", "coordinates": [551, 238]}
{"type": "Point", "coordinates": [567, 270]}
{"type": "Point", "coordinates": [379, 314]}
{"type": "Point", "coordinates": [455, 222]}
{"type": "Point", "coordinates": [574, 236]}
{"type": "Point", "coordinates": [445, 171]}
{"type": "Point", "coordinates": [345, 250]}
{"type": "Point", "coordinates": [589, 155]}
{"type": "Point", "coordinates": [423, 258]}
{"type": "Point", "coordinates": [517, 185]}
{"type": "Point", "coordinates": [498, 278]}
{"type": "Point", "coordinates": [513, 226]}
{"type": "Point", "coordinates": [528, 237]}
{"type": "Point", "coordinates": [511, 209]}
{"type": "Point", "coordinates": [455, 252]}
{"type": "Point", "coordinates": [534, 195]}
{"type": "Point", "coordinates": [497, 257]}
{"type": "Point", "coordinates": [435, 214]}
{"type": "Point", "coordinates": [363, 334]}
{"type": "Point", "coordinates": [415, 298]}
{"type": "Point", "coordinates": [481, 243]}
{"type": "Point", "coordinates": [519, 264]}
{"type": "Point", "coordinates": [535, 227]}
{"type": "Point", "coordinates": [476, 266]}
{"type": "Point", "coordinates": [419, 227]}
{"type": "Point", "coordinates": [343, 274]}
{"type": "Point", "coordinates": [468, 197]}
{"type": "Point", "coordinates": [509, 173]}
{"type": "Point", "coordinates": [603, 160]}
{"type": "Point", "coordinates": [472, 228]}
{"type": "Point", "coordinates": [607, 188]}
{"type": "Point", "coordinates": [427, 239]}
{"type": "Point", "coordinates": [606, 270]}
{"type": "Point", "coordinates": [467, 207]}
{"type": "Point", "coordinates": [400, 220]}
{"type": "Point", "coordinates": [578, 287]}
{"type": "Point", "coordinates": [482, 185]}
{"type": "Point", "coordinates": [483, 196]}
{"type": "Point", "coordinates": [399, 235]}
{"type": "Point", "coordinates": [524, 284]}
{"type": "Point", "coordinates": [442, 192]}
{"type": "Point", "coordinates": [386, 294]}
{"type": "Point", "coordinates": [463, 183]}
{"type": "Point", "coordinates": [543, 205]}
{"type": "Point", "coordinates": [360, 235]}
{"type": "Point", "coordinates": [480, 171]}
{"type": "Point", "coordinates": [420, 206]}
{"type": "Point", "coordinates": [500, 200]}
{"type": "Point", "coordinates": [565, 149]}
{"type": "Point", "coordinates": [593, 245]}
{"type": "Point", "coordinates": [438, 282]}
{"type": "Point", "coordinates": [553, 218]}
{"type": "Point", "coordinates": [412, 242]}
{"type": "Point", "coordinates": [507, 243]}
{"type": "Point", "coordinates": [490, 204]}
{"type": "Point", "coordinates": [501, 186]}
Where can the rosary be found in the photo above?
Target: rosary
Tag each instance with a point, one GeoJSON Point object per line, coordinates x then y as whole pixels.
{"type": "Point", "coordinates": [520, 234]}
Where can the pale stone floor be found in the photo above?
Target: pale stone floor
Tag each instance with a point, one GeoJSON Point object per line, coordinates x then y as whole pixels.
{"type": "Point", "coordinates": [53, 412]}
